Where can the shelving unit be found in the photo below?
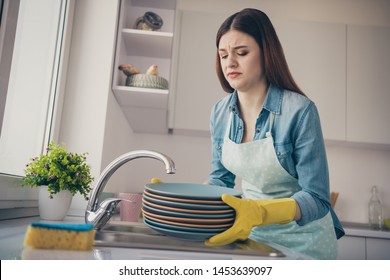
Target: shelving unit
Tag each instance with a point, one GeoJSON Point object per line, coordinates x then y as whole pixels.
{"type": "Point", "coordinates": [145, 109]}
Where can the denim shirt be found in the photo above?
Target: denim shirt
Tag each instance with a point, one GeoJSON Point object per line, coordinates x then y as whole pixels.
{"type": "Point", "coordinates": [298, 142]}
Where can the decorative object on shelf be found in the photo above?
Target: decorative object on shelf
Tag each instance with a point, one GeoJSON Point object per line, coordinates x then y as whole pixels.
{"type": "Point", "coordinates": [129, 69]}
{"type": "Point", "coordinates": [152, 70]}
{"type": "Point", "coordinates": [60, 175]}
{"type": "Point", "coordinates": [148, 80]}
{"type": "Point", "coordinates": [149, 21]}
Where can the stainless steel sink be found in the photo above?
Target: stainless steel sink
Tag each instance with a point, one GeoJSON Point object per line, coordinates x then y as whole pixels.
{"type": "Point", "coordinates": [139, 235]}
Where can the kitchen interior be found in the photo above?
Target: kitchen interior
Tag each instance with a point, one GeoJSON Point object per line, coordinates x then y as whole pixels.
{"type": "Point", "coordinates": [337, 52]}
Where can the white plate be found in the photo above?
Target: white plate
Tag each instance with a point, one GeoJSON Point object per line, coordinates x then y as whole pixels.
{"type": "Point", "coordinates": [191, 191]}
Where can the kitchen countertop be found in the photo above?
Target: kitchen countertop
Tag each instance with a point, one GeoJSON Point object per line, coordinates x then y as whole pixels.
{"type": "Point", "coordinates": [364, 230]}
{"type": "Point", "coordinates": [12, 235]}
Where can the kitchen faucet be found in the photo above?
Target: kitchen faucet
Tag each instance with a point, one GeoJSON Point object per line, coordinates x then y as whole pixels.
{"type": "Point", "coordinates": [98, 215]}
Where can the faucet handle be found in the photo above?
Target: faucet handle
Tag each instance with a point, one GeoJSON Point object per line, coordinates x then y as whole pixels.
{"type": "Point", "coordinates": [111, 203]}
{"type": "Point", "coordinates": [105, 211]}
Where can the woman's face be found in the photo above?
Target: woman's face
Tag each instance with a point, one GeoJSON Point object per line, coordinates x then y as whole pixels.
{"type": "Point", "coordinates": [240, 60]}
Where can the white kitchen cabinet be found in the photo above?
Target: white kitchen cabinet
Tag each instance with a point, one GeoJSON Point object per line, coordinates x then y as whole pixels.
{"type": "Point", "coordinates": [363, 248]}
{"type": "Point", "coordinates": [145, 109]}
{"type": "Point", "coordinates": [378, 248]}
{"type": "Point", "coordinates": [351, 248]}
{"type": "Point", "coordinates": [315, 53]}
{"type": "Point", "coordinates": [197, 87]}
{"type": "Point", "coordinates": [368, 76]}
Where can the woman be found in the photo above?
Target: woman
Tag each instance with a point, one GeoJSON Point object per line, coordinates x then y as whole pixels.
{"type": "Point", "coordinates": [268, 133]}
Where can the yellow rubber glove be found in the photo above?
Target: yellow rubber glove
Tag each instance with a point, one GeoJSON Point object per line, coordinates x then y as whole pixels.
{"type": "Point", "coordinates": [155, 180]}
{"type": "Point", "coordinates": [250, 213]}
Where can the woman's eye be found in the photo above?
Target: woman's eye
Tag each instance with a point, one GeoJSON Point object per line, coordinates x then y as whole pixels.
{"type": "Point", "coordinates": [242, 53]}
{"type": "Point", "coordinates": [223, 56]}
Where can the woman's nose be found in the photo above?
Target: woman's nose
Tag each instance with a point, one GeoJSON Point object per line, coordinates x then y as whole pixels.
{"type": "Point", "coordinates": [232, 62]}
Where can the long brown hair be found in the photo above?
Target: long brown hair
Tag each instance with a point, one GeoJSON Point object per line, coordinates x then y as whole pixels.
{"type": "Point", "coordinates": [257, 24]}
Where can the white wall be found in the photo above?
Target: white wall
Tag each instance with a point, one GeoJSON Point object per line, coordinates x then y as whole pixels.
{"type": "Point", "coordinates": [93, 120]}
{"type": "Point", "coordinates": [89, 81]}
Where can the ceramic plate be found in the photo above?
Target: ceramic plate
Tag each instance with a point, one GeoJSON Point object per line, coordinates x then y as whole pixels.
{"type": "Point", "coordinates": [186, 224]}
{"type": "Point", "coordinates": [191, 191]}
{"type": "Point", "coordinates": [194, 211]}
{"type": "Point", "coordinates": [196, 201]}
{"type": "Point", "coordinates": [187, 229]}
{"type": "Point", "coordinates": [189, 220]}
{"type": "Point", "coordinates": [186, 205]}
{"type": "Point", "coordinates": [194, 236]}
{"type": "Point", "coordinates": [185, 215]}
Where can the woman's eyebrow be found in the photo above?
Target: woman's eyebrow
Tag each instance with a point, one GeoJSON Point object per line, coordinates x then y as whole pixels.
{"type": "Point", "coordinates": [234, 48]}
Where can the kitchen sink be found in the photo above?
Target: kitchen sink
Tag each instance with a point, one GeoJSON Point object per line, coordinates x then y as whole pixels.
{"type": "Point", "coordinates": [139, 235]}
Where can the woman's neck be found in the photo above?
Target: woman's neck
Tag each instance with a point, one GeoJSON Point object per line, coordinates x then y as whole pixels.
{"type": "Point", "coordinates": [253, 99]}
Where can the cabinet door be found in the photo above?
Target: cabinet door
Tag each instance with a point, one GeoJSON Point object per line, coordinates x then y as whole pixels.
{"type": "Point", "coordinates": [368, 76]}
{"type": "Point", "coordinates": [351, 248]}
{"type": "Point", "coordinates": [315, 53]}
{"type": "Point", "coordinates": [197, 86]}
{"type": "Point", "coordinates": [378, 248]}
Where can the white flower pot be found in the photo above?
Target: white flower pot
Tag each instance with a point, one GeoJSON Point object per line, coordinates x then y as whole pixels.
{"type": "Point", "coordinates": [54, 207]}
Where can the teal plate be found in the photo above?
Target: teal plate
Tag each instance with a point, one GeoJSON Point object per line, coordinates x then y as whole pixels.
{"type": "Point", "coordinates": [187, 215]}
{"type": "Point", "coordinates": [193, 236]}
{"type": "Point", "coordinates": [186, 205]}
{"type": "Point", "coordinates": [191, 191]}
{"type": "Point", "coordinates": [185, 229]}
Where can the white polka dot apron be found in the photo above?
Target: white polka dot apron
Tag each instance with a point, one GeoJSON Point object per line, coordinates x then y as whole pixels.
{"type": "Point", "coordinates": [263, 177]}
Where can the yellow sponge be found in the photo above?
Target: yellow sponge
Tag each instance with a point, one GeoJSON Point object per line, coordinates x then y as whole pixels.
{"type": "Point", "coordinates": [60, 236]}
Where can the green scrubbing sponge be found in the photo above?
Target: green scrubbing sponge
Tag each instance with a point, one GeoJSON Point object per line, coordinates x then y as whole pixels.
{"type": "Point", "coordinates": [60, 236]}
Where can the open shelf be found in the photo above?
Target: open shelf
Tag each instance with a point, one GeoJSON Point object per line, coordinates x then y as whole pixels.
{"type": "Point", "coordinates": [147, 43]}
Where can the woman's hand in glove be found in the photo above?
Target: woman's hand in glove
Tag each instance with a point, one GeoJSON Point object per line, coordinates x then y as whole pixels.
{"type": "Point", "coordinates": [250, 213]}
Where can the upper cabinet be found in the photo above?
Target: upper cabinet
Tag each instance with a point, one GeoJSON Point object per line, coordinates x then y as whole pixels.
{"type": "Point", "coordinates": [196, 83]}
{"type": "Point", "coordinates": [144, 103]}
{"type": "Point", "coordinates": [368, 86]}
{"type": "Point", "coordinates": [315, 53]}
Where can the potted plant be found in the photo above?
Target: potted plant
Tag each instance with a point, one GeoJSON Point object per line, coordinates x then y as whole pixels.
{"type": "Point", "coordinates": [60, 175]}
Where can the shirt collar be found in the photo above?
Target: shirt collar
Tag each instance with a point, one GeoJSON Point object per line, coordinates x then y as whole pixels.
{"type": "Point", "coordinates": [273, 100]}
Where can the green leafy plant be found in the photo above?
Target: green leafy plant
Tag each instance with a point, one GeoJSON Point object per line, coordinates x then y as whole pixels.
{"type": "Point", "coordinates": [59, 170]}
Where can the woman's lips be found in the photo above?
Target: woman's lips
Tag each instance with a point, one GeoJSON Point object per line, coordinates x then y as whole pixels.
{"type": "Point", "coordinates": [233, 74]}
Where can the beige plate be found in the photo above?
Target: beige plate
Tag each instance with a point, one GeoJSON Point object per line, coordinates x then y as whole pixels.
{"type": "Point", "coordinates": [186, 200]}
{"type": "Point", "coordinates": [195, 211]}
{"type": "Point", "coordinates": [186, 224]}
{"type": "Point", "coordinates": [189, 220]}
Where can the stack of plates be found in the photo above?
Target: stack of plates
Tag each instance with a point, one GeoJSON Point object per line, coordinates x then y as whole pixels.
{"type": "Point", "coordinates": [187, 211]}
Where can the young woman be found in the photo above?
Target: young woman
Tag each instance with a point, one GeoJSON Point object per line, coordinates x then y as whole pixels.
{"type": "Point", "coordinates": [268, 133]}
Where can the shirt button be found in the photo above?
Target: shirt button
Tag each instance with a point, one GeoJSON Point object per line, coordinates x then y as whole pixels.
{"type": "Point", "coordinates": [257, 130]}
{"type": "Point", "coordinates": [240, 127]}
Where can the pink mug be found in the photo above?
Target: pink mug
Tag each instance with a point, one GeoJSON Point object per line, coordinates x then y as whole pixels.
{"type": "Point", "coordinates": [130, 211]}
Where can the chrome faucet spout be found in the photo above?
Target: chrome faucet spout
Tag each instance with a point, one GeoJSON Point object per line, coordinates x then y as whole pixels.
{"type": "Point", "coordinates": [100, 214]}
